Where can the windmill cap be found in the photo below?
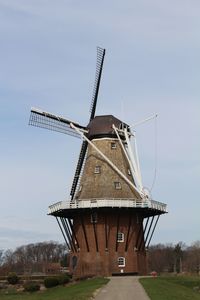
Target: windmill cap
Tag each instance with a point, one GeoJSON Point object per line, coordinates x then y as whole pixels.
{"type": "Point", "coordinates": [102, 126]}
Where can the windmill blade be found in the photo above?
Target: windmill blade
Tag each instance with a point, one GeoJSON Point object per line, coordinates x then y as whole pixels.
{"type": "Point", "coordinates": [78, 168]}
{"type": "Point", "coordinates": [52, 122]}
{"type": "Point", "coordinates": [99, 67]}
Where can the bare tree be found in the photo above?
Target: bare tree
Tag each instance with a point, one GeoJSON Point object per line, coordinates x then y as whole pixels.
{"type": "Point", "coordinates": [1, 257]}
{"type": "Point", "coordinates": [34, 257]}
{"type": "Point", "coordinates": [161, 258]}
{"type": "Point", "coordinates": [178, 257]}
{"type": "Point", "coordinates": [192, 261]}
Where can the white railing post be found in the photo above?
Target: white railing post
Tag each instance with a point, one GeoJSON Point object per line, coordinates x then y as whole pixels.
{"type": "Point", "coordinates": [109, 202]}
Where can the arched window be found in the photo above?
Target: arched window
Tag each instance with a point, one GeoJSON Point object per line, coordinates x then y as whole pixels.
{"type": "Point", "coordinates": [121, 261]}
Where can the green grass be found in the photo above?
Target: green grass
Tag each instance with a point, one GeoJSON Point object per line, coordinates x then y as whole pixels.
{"type": "Point", "coordinates": [172, 288]}
{"type": "Point", "coordinates": [79, 291]}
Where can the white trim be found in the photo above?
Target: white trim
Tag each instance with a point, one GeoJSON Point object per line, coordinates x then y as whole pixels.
{"type": "Point", "coordinates": [122, 145]}
{"type": "Point", "coordinates": [131, 157]}
{"type": "Point", "coordinates": [105, 138]}
{"type": "Point", "coordinates": [107, 202]}
{"type": "Point", "coordinates": [133, 165]}
{"type": "Point", "coordinates": [137, 160]}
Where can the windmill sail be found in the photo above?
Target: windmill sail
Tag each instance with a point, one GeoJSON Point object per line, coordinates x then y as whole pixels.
{"type": "Point", "coordinates": [99, 67]}
{"type": "Point", "coordinates": [52, 122]}
{"type": "Point", "coordinates": [78, 168]}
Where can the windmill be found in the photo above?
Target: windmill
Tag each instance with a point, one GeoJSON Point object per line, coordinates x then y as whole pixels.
{"type": "Point", "coordinates": [109, 220]}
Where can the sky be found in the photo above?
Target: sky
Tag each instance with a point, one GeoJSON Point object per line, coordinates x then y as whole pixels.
{"type": "Point", "coordinates": [48, 61]}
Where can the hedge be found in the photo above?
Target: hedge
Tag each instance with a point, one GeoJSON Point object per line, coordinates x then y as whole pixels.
{"type": "Point", "coordinates": [12, 278]}
{"type": "Point", "coordinates": [51, 282]}
{"type": "Point", "coordinates": [31, 286]}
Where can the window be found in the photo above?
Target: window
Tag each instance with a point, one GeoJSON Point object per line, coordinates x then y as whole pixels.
{"type": "Point", "coordinates": [129, 172]}
{"type": "Point", "coordinates": [121, 262]}
{"type": "Point", "coordinates": [120, 237]}
{"type": "Point", "coordinates": [97, 170]}
{"type": "Point", "coordinates": [121, 126]}
{"type": "Point", "coordinates": [117, 185]}
{"type": "Point", "coordinates": [113, 145]}
{"type": "Point", "coordinates": [94, 217]}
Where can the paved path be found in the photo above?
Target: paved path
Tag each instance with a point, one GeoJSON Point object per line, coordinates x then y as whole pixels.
{"type": "Point", "coordinates": [122, 288]}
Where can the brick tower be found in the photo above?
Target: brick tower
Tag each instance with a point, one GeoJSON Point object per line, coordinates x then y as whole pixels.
{"type": "Point", "coordinates": [109, 221]}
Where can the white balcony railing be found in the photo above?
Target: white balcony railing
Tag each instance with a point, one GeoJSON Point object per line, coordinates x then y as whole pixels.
{"type": "Point", "coordinates": [110, 202]}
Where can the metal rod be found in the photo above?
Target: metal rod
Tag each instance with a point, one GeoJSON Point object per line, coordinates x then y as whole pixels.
{"type": "Point", "coordinates": [67, 233]}
{"type": "Point", "coordinates": [153, 231]}
{"type": "Point", "coordinates": [148, 231]}
{"type": "Point", "coordinates": [106, 232]}
{"type": "Point", "coordinates": [95, 236]}
{"type": "Point", "coordinates": [73, 231]}
{"type": "Point", "coordinates": [68, 246]}
{"type": "Point", "coordinates": [138, 237]}
{"type": "Point", "coordinates": [85, 235]}
{"type": "Point", "coordinates": [147, 221]}
{"type": "Point", "coordinates": [70, 233]}
{"type": "Point", "coordinates": [127, 237]}
{"type": "Point", "coordinates": [145, 120]}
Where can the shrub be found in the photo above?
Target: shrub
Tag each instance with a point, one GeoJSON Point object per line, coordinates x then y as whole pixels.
{"type": "Point", "coordinates": [63, 279]}
{"type": "Point", "coordinates": [31, 287]}
{"type": "Point", "coordinates": [12, 278]}
{"type": "Point", "coordinates": [51, 281]}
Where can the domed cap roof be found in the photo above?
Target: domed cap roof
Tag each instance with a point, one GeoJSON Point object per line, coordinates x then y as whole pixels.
{"type": "Point", "coordinates": [101, 126]}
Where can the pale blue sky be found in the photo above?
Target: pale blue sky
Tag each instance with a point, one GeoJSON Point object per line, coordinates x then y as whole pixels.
{"type": "Point", "coordinates": [152, 64]}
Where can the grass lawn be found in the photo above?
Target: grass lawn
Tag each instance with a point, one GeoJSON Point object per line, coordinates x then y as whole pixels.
{"type": "Point", "coordinates": [80, 291]}
{"type": "Point", "coordinates": [172, 288]}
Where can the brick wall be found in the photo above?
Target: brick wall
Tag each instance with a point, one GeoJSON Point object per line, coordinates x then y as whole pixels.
{"type": "Point", "coordinates": [102, 260]}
